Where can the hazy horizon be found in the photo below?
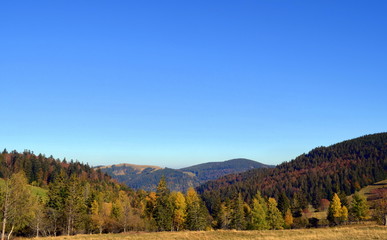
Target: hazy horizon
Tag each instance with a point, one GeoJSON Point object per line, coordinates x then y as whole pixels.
{"type": "Point", "coordinates": [175, 84]}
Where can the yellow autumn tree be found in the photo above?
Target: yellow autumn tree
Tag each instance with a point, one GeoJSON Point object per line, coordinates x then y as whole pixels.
{"type": "Point", "coordinates": [274, 216]}
{"type": "Point", "coordinates": [125, 210]}
{"type": "Point", "coordinates": [96, 217]}
{"type": "Point", "coordinates": [179, 210]}
{"type": "Point", "coordinates": [336, 212]}
{"type": "Point", "coordinates": [288, 219]}
{"type": "Point", "coordinates": [344, 214]}
{"type": "Point", "coordinates": [16, 204]}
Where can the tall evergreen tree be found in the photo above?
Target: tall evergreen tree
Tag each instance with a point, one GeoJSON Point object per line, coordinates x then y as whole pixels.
{"type": "Point", "coordinates": [238, 220]}
{"type": "Point", "coordinates": [359, 209]}
{"type": "Point", "coordinates": [74, 204]}
{"type": "Point", "coordinates": [164, 208]}
{"type": "Point", "coordinates": [196, 211]}
{"type": "Point", "coordinates": [283, 203]}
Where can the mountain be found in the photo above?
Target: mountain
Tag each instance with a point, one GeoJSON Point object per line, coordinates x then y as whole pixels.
{"type": "Point", "coordinates": [213, 170]}
{"type": "Point", "coordinates": [344, 167]}
{"type": "Point", "coordinates": [148, 177]}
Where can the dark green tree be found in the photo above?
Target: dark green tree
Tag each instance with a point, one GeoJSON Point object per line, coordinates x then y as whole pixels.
{"type": "Point", "coordinates": [164, 207]}
{"type": "Point", "coordinates": [238, 220]}
{"type": "Point", "coordinates": [74, 204]}
{"type": "Point", "coordinates": [283, 203]}
{"type": "Point", "coordinates": [57, 195]}
{"type": "Point", "coordinates": [197, 213]}
{"type": "Point", "coordinates": [359, 209]}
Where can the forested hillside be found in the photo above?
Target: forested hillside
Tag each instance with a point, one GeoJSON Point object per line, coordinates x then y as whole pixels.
{"type": "Point", "coordinates": [213, 170]}
{"type": "Point", "coordinates": [76, 197]}
{"type": "Point", "coordinates": [148, 177]}
{"type": "Point", "coordinates": [341, 168]}
{"type": "Point", "coordinates": [41, 170]}
{"type": "Point", "coordinates": [79, 199]}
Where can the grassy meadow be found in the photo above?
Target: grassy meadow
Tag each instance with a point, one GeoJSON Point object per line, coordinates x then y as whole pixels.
{"type": "Point", "coordinates": [350, 232]}
{"type": "Point", "coordinates": [37, 191]}
{"type": "Point", "coordinates": [367, 191]}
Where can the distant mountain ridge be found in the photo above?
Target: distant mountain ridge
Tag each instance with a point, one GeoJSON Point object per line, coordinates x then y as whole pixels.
{"type": "Point", "coordinates": [214, 170]}
{"type": "Point", "coordinates": [147, 177]}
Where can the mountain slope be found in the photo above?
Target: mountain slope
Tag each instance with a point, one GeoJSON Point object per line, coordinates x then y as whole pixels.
{"type": "Point", "coordinates": [147, 177]}
{"type": "Point", "coordinates": [213, 170]}
{"type": "Point", "coordinates": [343, 167]}
{"type": "Point", "coordinates": [128, 172]}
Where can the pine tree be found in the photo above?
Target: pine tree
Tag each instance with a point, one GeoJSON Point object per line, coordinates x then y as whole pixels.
{"type": "Point", "coordinates": [74, 204]}
{"type": "Point", "coordinates": [196, 211]}
{"type": "Point", "coordinates": [58, 192]}
{"type": "Point", "coordinates": [259, 213]}
{"type": "Point", "coordinates": [238, 221]}
{"type": "Point", "coordinates": [274, 216]}
{"type": "Point", "coordinates": [359, 209]}
{"type": "Point", "coordinates": [283, 203]}
{"type": "Point", "coordinates": [163, 209]}
{"type": "Point", "coordinates": [223, 216]}
{"type": "Point", "coordinates": [150, 211]}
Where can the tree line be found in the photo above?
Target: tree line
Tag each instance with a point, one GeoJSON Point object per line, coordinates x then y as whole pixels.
{"type": "Point", "coordinates": [43, 196]}
{"type": "Point", "coordinates": [72, 206]}
{"type": "Point", "coordinates": [341, 168]}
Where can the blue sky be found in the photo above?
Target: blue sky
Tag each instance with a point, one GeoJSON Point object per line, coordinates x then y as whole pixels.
{"type": "Point", "coordinates": [177, 83]}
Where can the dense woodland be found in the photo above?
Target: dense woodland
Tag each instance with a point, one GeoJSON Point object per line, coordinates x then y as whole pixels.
{"type": "Point", "coordinates": [42, 196]}
{"type": "Point", "coordinates": [341, 168]}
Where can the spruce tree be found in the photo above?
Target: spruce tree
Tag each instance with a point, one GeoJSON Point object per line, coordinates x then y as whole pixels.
{"type": "Point", "coordinates": [163, 209]}
{"type": "Point", "coordinates": [74, 204]}
{"type": "Point", "coordinates": [238, 221]}
{"type": "Point", "coordinates": [283, 203]}
{"type": "Point", "coordinates": [359, 209]}
{"type": "Point", "coordinates": [196, 211]}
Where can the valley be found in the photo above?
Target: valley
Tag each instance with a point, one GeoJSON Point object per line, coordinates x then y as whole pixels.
{"type": "Point", "coordinates": [147, 177]}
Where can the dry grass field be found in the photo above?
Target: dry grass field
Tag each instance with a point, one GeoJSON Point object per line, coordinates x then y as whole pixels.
{"type": "Point", "coordinates": [367, 191]}
{"type": "Point", "coordinates": [366, 231]}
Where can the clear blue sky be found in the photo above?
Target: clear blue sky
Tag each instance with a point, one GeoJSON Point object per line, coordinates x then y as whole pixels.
{"type": "Point", "coordinates": [177, 83]}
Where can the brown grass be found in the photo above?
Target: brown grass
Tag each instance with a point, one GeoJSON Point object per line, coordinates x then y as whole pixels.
{"type": "Point", "coordinates": [352, 232]}
{"type": "Point", "coordinates": [367, 191]}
